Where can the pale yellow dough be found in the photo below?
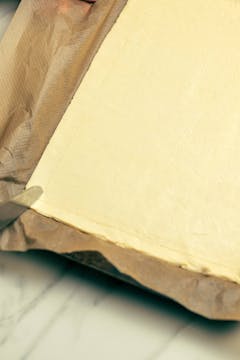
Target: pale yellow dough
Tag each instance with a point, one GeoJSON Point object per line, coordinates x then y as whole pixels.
{"type": "Point", "coordinates": [148, 153]}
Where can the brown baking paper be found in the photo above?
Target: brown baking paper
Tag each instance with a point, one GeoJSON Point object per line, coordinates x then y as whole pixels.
{"type": "Point", "coordinates": [44, 55]}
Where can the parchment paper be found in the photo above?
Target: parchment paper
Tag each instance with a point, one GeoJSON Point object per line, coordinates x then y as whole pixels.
{"type": "Point", "coordinates": [43, 57]}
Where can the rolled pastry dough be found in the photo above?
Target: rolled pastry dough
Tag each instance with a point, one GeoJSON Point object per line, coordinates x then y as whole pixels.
{"type": "Point", "coordinates": [148, 153]}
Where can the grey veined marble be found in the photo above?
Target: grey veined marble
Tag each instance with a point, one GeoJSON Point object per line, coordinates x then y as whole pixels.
{"type": "Point", "coordinates": [51, 308]}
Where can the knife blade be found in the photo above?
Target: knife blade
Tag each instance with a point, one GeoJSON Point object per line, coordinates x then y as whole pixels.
{"type": "Point", "coordinates": [10, 210]}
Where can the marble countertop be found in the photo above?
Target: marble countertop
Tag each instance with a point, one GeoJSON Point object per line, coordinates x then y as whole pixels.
{"type": "Point", "coordinates": [52, 308]}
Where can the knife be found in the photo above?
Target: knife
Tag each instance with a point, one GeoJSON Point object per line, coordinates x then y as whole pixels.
{"type": "Point", "coordinates": [10, 210]}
